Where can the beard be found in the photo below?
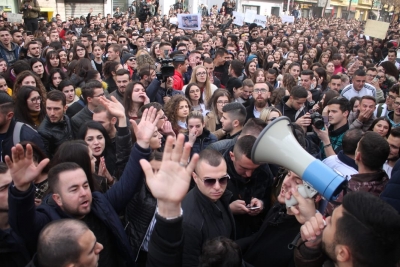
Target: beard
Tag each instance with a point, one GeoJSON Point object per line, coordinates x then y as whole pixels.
{"type": "Point", "coordinates": [260, 103]}
{"type": "Point", "coordinates": [329, 250]}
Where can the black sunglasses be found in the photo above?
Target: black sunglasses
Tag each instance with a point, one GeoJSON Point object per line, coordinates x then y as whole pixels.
{"type": "Point", "coordinates": [211, 181]}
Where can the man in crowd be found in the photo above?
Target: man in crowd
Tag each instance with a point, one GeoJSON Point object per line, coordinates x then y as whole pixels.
{"type": "Point", "coordinates": [206, 206]}
{"type": "Point", "coordinates": [359, 87]}
{"type": "Point", "coordinates": [335, 83]}
{"type": "Point", "coordinates": [180, 65]}
{"type": "Point", "coordinates": [261, 95]}
{"type": "Point", "coordinates": [114, 53]}
{"type": "Point", "coordinates": [194, 60]}
{"type": "Point", "coordinates": [383, 109]}
{"type": "Point", "coordinates": [56, 126]}
{"type": "Point", "coordinates": [363, 118]}
{"type": "Point", "coordinates": [221, 66]}
{"type": "Point", "coordinates": [294, 106]}
{"type": "Point", "coordinates": [122, 80]}
{"type": "Point", "coordinates": [394, 145]}
{"type": "Point", "coordinates": [9, 51]}
{"type": "Point", "coordinates": [331, 138]}
{"type": "Point", "coordinates": [233, 119]}
{"type": "Point", "coordinates": [91, 92]}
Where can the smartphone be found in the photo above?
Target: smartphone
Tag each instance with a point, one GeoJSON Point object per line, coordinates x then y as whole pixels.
{"type": "Point", "coordinates": [376, 79]}
{"type": "Point", "coordinates": [28, 33]}
{"type": "Point", "coordinates": [254, 208]}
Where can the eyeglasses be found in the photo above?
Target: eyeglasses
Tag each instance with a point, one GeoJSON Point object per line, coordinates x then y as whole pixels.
{"type": "Point", "coordinates": [212, 181]}
{"type": "Point", "coordinates": [100, 95]}
{"type": "Point", "coordinates": [132, 59]}
{"type": "Point", "coordinates": [391, 97]}
{"type": "Point", "coordinates": [36, 99]}
{"type": "Point", "coordinates": [220, 102]}
{"type": "Point", "coordinates": [396, 104]}
{"type": "Point", "coordinates": [260, 91]}
{"type": "Point", "coordinates": [201, 73]}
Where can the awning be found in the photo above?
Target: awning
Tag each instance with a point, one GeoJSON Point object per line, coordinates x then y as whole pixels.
{"type": "Point", "coordinates": [46, 9]}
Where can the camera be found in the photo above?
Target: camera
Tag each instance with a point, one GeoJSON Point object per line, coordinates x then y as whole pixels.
{"type": "Point", "coordinates": [25, 6]}
{"type": "Point", "coordinates": [317, 120]}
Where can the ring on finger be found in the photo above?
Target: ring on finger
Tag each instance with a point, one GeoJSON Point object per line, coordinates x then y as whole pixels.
{"type": "Point", "coordinates": [183, 164]}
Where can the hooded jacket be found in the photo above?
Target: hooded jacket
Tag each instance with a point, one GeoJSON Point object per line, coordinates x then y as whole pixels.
{"type": "Point", "coordinates": [10, 56]}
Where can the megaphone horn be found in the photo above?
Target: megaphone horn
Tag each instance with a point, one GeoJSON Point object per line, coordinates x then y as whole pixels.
{"type": "Point", "coordinates": [276, 144]}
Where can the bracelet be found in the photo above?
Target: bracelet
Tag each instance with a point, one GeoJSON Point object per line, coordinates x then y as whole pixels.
{"type": "Point", "coordinates": [171, 218]}
{"type": "Point", "coordinates": [328, 145]}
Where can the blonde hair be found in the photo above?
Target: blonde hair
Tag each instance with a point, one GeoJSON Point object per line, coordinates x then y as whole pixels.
{"type": "Point", "coordinates": [207, 87]}
{"type": "Point", "coordinates": [264, 115]}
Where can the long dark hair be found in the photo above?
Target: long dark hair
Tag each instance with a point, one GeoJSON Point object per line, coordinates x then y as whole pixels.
{"type": "Point", "coordinates": [34, 60]}
{"type": "Point", "coordinates": [75, 56]}
{"type": "Point", "coordinates": [187, 93]}
{"type": "Point", "coordinates": [95, 126]}
{"type": "Point", "coordinates": [50, 55]}
{"type": "Point", "coordinates": [371, 128]}
{"type": "Point", "coordinates": [76, 151]}
{"type": "Point", "coordinates": [51, 75]}
{"type": "Point", "coordinates": [22, 113]}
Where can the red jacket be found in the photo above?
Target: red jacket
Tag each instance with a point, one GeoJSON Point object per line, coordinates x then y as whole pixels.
{"type": "Point", "coordinates": [178, 80]}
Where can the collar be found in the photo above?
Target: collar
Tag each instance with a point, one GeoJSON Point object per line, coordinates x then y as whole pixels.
{"type": "Point", "coordinates": [370, 177]}
{"type": "Point", "coordinates": [347, 160]}
{"type": "Point", "coordinates": [338, 131]}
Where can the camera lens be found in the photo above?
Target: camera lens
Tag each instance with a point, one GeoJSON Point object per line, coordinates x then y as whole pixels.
{"type": "Point", "coordinates": [318, 123]}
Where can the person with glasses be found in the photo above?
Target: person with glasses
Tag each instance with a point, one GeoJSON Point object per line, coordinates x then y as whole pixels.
{"type": "Point", "coordinates": [91, 92]}
{"type": "Point", "coordinates": [261, 95]}
{"type": "Point", "coordinates": [383, 109]}
{"type": "Point", "coordinates": [201, 77]}
{"type": "Point", "coordinates": [220, 98]}
{"type": "Point", "coordinates": [206, 207]}
{"type": "Point", "coordinates": [30, 106]}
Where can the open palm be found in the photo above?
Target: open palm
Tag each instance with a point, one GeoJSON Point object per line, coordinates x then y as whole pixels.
{"type": "Point", "coordinates": [171, 183]}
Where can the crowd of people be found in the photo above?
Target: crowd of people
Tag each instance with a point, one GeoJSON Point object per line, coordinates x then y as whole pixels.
{"type": "Point", "coordinates": [127, 141]}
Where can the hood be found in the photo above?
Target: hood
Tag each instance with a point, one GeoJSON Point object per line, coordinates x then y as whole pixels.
{"type": "Point", "coordinates": [14, 46]}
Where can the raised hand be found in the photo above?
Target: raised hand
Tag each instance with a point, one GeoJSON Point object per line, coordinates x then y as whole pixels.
{"type": "Point", "coordinates": [22, 168]}
{"type": "Point", "coordinates": [171, 183]}
{"type": "Point", "coordinates": [305, 209]}
{"type": "Point", "coordinates": [115, 108]}
{"type": "Point", "coordinates": [145, 129]}
{"type": "Point", "coordinates": [311, 231]}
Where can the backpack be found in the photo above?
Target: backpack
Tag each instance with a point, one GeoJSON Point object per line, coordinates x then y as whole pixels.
{"type": "Point", "coordinates": [17, 131]}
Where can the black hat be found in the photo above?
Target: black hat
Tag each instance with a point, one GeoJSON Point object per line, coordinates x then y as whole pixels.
{"type": "Point", "coordinates": [5, 98]}
{"type": "Point", "coordinates": [127, 56]}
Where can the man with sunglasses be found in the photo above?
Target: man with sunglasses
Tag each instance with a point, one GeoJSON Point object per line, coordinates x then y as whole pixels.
{"type": "Point", "coordinates": [206, 206]}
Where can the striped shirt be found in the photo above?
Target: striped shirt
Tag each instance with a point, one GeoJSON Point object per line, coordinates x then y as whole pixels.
{"type": "Point", "coordinates": [349, 92]}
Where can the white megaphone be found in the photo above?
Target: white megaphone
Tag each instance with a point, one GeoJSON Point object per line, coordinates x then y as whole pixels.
{"type": "Point", "coordinates": [276, 144]}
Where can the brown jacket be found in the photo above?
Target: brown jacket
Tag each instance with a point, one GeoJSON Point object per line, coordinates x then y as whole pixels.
{"type": "Point", "coordinates": [373, 183]}
{"type": "Point", "coordinates": [30, 13]}
{"type": "Point", "coordinates": [211, 122]}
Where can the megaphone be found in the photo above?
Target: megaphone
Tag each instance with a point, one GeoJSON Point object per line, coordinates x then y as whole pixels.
{"type": "Point", "coordinates": [276, 144]}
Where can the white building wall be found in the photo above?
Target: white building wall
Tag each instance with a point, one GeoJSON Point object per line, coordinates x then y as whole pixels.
{"type": "Point", "coordinates": [265, 7]}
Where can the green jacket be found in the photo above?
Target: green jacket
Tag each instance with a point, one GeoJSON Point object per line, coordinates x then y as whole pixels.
{"type": "Point", "coordinates": [30, 13]}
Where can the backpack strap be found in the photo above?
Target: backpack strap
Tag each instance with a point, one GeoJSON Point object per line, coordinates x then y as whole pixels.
{"type": "Point", "coordinates": [17, 132]}
{"type": "Point", "coordinates": [379, 111]}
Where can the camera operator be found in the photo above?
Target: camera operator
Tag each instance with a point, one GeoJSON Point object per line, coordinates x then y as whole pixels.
{"type": "Point", "coordinates": [180, 65]}
{"type": "Point", "coordinates": [31, 10]}
{"type": "Point", "coordinates": [330, 138]}
{"type": "Point", "coordinates": [166, 91]}
{"type": "Point", "coordinates": [147, 74]}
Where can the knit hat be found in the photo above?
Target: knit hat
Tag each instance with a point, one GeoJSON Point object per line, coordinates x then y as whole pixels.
{"type": "Point", "coordinates": [125, 57]}
{"type": "Point", "coordinates": [5, 98]}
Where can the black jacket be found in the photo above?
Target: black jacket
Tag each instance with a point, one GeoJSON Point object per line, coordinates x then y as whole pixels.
{"type": "Point", "coordinates": [391, 192]}
{"type": "Point", "coordinates": [202, 220]}
{"type": "Point", "coordinates": [269, 246]}
{"type": "Point", "coordinates": [28, 221]}
{"type": "Point", "coordinates": [111, 85]}
{"type": "Point", "coordinates": [139, 213]}
{"type": "Point", "coordinates": [13, 252]}
{"type": "Point", "coordinates": [27, 134]}
{"type": "Point", "coordinates": [202, 141]}
{"type": "Point", "coordinates": [80, 118]}
{"type": "Point", "coordinates": [257, 186]}
{"type": "Point", "coordinates": [290, 112]}
{"type": "Point", "coordinates": [75, 107]}
{"type": "Point", "coordinates": [223, 145]}
{"type": "Point", "coordinates": [250, 109]}
{"type": "Point", "coordinates": [54, 134]}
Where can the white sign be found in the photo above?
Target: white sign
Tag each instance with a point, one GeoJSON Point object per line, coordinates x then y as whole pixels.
{"type": "Point", "coordinates": [289, 19]}
{"type": "Point", "coordinates": [14, 18]}
{"type": "Point", "coordinates": [260, 20]}
{"type": "Point", "coordinates": [250, 16]}
{"type": "Point", "coordinates": [173, 20]}
{"type": "Point", "coordinates": [238, 18]}
{"type": "Point", "coordinates": [189, 21]}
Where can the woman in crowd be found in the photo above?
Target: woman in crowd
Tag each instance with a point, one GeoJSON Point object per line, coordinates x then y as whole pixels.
{"type": "Point", "coordinates": [382, 126]}
{"type": "Point", "coordinates": [197, 135]}
{"type": "Point", "coordinates": [52, 61]}
{"type": "Point", "coordinates": [202, 79]}
{"type": "Point", "coordinates": [193, 93]}
{"type": "Point", "coordinates": [28, 78]}
{"type": "Point", "coordinates": [37, 67]}
{"type": "Point", "coordinates": [80, 51]}
{"type": "Point", "coordinates": [305, 64]}
{"type": "Point", "coordinates": [97, 62]}
{"type": "Point", "coordinates": [134, 98]}
{"type": "Point", "coordinates": [330, 68]}
{"type": "Point", "coordinates": [324, 58]}
{"type": "Point", "coordinates": [62, 54]}
{"type": "Point", "coordinates": [355, 104]}
{"type": "Point", "coordinates": [29, 106]}
{"type": "Point", "coordinates": [177, 109]}
{"type": "Point", "coordinates": [109, 72]}
{"type": "Point", "coordinates": [322, 79]}
{"type": "Point", "coordinates": [55, 78]}
{"type": "Point", "coordinates": [69, 91]}
{"type": "Point", "coordinates": [269, 114]}
{"type": "Point", "coordinates": [3, 66]}
{"type": "Point", "coordinates": [250, 69]}
{"type": "Point", "coordinates": [259, 76]}
{"type": "Point", "coordinates": [220, 98]}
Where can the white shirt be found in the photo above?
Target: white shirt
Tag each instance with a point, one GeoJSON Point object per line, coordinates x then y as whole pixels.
{"type": "Point", "coordinates": [388, 169]}
{"type": "Point", "coordinates": [335, 163]}
{"type": "Point", "coordinates": [349, 92]}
